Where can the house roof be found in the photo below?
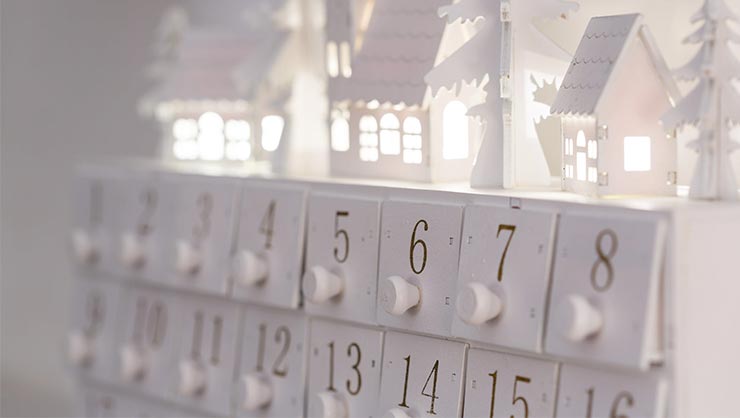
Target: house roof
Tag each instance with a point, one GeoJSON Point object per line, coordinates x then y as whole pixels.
{"type": "Point", "coordinates": [400, 46]}
{"type": "Point", "coordinates": [219, 64]}
{"type": "Point", "coordinates": [596, 58]}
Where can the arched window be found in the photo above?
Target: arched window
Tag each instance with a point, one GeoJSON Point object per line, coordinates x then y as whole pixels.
{"type": "Point", "coordinates": [368, 138]}
{"type": "Point", "coordinates": [455, 138]}
{"type": "Point", "coordinates": [412, 140]}
{"type": "Point", "coordinates": [238, 133]}
{"type": "Point", "coordinates": [211, 136]}
{"type": "Point", "coordinates": [332, 59]}
{"type": "Point", "coordinates": [345, 59]}
{"type": "Point", "coordinates": [390, 136]}
{"type": "Point", "coordinates": [272, 130]}
{"type": "Point", "coordinates": [580, 139]}
{"type": "Point", "coordinates": [340, 134]}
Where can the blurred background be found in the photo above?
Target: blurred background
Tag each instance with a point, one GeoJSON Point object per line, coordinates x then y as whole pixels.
{"type": "Point", "coordinates": [71, 73]}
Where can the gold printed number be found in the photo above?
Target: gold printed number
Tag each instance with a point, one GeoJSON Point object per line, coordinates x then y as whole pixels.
{"type": "Point", "coordinates": [95, 313]}
{"type": "Point", "coordinates": [148, 200]}
{"type": "Point", "coordinates": [604, 259]}
{"type": "Point", "coordinates": [345, 236]}
{"type": "Point", "coordinates": [434, 372]}
{"type": "Point", "coordinates": [204, 204]}
{"type": "Point", "coordinates": [514, 397]}
{"type": "Point", "coordinates": [267, 224]}
{"type": "Point", "coordinates": [628, 398]}
{"type": "Point", "coordinates": [416, 242]}
{"type": "Point", "coordinates": [511, 229]}
{"type": "Point", "coordinates": [282, 336]}
{"type": "Point", "coordinates": [356, 368]}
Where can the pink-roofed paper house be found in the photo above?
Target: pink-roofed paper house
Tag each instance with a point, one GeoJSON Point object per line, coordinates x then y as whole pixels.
{"type": "Point", "coordinates": [222, 92]}
{"type": "Point", "coordinates": [384, 120]}
{"type": "Point", "coordinates": [611, 100]}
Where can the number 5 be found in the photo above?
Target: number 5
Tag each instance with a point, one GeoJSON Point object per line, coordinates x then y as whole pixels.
{"type": "Point", "coordinates": [343, 233]}
{"type": "Point", "coordinates": [515, 398]}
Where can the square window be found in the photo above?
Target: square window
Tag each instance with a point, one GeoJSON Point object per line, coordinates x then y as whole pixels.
{"type": "Point", "coordinates": [581, 166]}
{"type": "Point", "coordinates": [637, 153]}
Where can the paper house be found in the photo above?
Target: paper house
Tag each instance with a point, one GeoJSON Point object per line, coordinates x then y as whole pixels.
{"type": "Point", "coordinates": [611, 100]}
{"type": "Point", "coordinates": [222, 94]}
{"type": "Point", "coordinates": [384, 122]}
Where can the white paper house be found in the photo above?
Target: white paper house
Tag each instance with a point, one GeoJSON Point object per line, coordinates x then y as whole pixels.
{"type": "Point", "coordinates": [611, 100]}
{"type": "Point", "coordinates": [223, 96]}
{"type": "Point", "coordinates": [384, 122]}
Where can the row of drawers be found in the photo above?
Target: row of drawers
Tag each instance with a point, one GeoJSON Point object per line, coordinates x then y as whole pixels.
{"type": "Point", "coordinates": [572, 281]}
{"type": "Point", "coordinates": [209, 355]}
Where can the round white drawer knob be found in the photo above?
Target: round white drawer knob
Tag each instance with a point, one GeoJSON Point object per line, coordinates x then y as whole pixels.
{"type": "Point", "coordinates": [332, 405]}
{"type": "Point", "coordinates": [257, 391]}
{"type": "Point", "coordinates": [80, 349]}
{"type": "Point", "coordinates": [477, 304]}
{"type": "Point", "coordinates": [132, 251]}
{"type": "Point", "coordinates": [187, 259]}
{"type": "Point", "coordinates": [249, 268]}
{"type": "Point", "coordinates": [192, 378]}
{"type": "Point", "coordinates": [577, 319]}
{"type": "Point", "coordinates": [396, 413]}
{"type": "Point", "coordinates": [133, 363]}
{"type": "Point", "coordinates": [320, 285]}
{"type": "Point", "coordinates": [397, 295]}
{"type": "Point", "coordinates": [84, 247]}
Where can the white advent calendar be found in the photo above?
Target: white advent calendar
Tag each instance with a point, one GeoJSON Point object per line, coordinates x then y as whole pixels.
{"type": "Point", "coordinates": [417, 208]}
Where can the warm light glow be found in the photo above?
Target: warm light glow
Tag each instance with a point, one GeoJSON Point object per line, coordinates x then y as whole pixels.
{"type": "Point", "coordinates": [581, 139]}
{"type": "Point", "coordinates": [238, 150]}
{"type": "Point", "coordinates": [592, 174]}
{"type": "Point", "coordinates": [368, 138]}
{"type": "Point", "coordinates": [592, 149]}
{"type": "Point", "coordinates": [390, 136]}
{"type": "Point", "coordinates": [412, 140]}
{"type": "Point", "coordinates": [373, 104]}
{"type": "Point", "coordinates": [237, 129]}
{"type": "Point", "coordinates": [272, 131]}
{"type": "Point", "coordinates": [568, 146]}
{"type": "Point", "coordinates": [345, 59]}
{"type": "Point", "coordinates": [185, 149]}
{"type": "Point", "coordinates": [455, 138]}
{"type": "Point", "coordinates": [332, 59]}
{"type": "Point", "coordinates": [184, 129]}
{"type": "Point", "coordinates": [569, 171]}
{"type": "Point", "coordinates": [637, 153]}
{"type": "Point", "coordinates": [581, 166]}
{"type": "Point", "coordinates": [340, 135]}
{"type": "Point", "coordinates": [210, 136]}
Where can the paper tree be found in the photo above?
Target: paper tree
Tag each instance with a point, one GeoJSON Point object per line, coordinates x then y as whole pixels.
{"type": "Point", "coordinates": [384, 121]}
{"type": "Point", "coordinates": [713, 104]}
{"type": "Point", "coordinates": [611, 100]}
{"type": "Point", "coordinates": [476, 63]}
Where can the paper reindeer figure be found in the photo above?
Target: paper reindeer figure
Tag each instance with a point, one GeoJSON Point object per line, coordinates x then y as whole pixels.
{"type": "Point", "coordinates": [514, 128]}
{"type": "Point", "coordinates": [611, 100]}
{"type": "Point", "coordinates": [222, 91]}
{"type": "Point", "coordinates": [384, 121]}
{"type": "Point", "coordinates": [713, 104]}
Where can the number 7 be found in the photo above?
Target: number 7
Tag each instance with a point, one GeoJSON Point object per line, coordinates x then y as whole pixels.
{"type": "Point", "coordinates": [512, 229]}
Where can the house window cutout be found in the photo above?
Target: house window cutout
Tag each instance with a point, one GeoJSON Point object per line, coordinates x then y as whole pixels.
{"type": "Point", "coordinates": [568, 146]}
{"type": "Point", "coordinates": [412, 140]}
{"type": "Point", "coordinates": [390, 136]}
{"type": "Point", "coordinates": [345, 60]}
{"type": "Point", "coordinates": [593, 175]}
{"type": "Point", "coordinates": [210, 137]}
{"type": "Point", "coordinates": [581, 166]}
{"type": "Point", "coordinates": [569, 171]}
{"type": "Point", "coordinates": [455, 131]}
{"type": "Point", "coordinates": [637, 153]}
{"type": "Point", "coordinates": [340, 135]}
{"type": "Point", "coordinates": [368, 138]}
{"type": "Point", "coordinates": [272, 131]}
{"type": "Point", "coordinates": [332, 59]}
{"type": "Point", "coordinates": [185, 132]}
{"type": "Point", "coordinates": [592, 149]}
{"type": "Point", "coordinates": [238, 134]}
{"type": "Point", "coordinates": [580, 139]}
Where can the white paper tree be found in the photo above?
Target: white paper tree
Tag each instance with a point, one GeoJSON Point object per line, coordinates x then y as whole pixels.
{"type": "Point", "coordinates": [479, 62]}
{"type": "Point", "coordinates": [713, 105]}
